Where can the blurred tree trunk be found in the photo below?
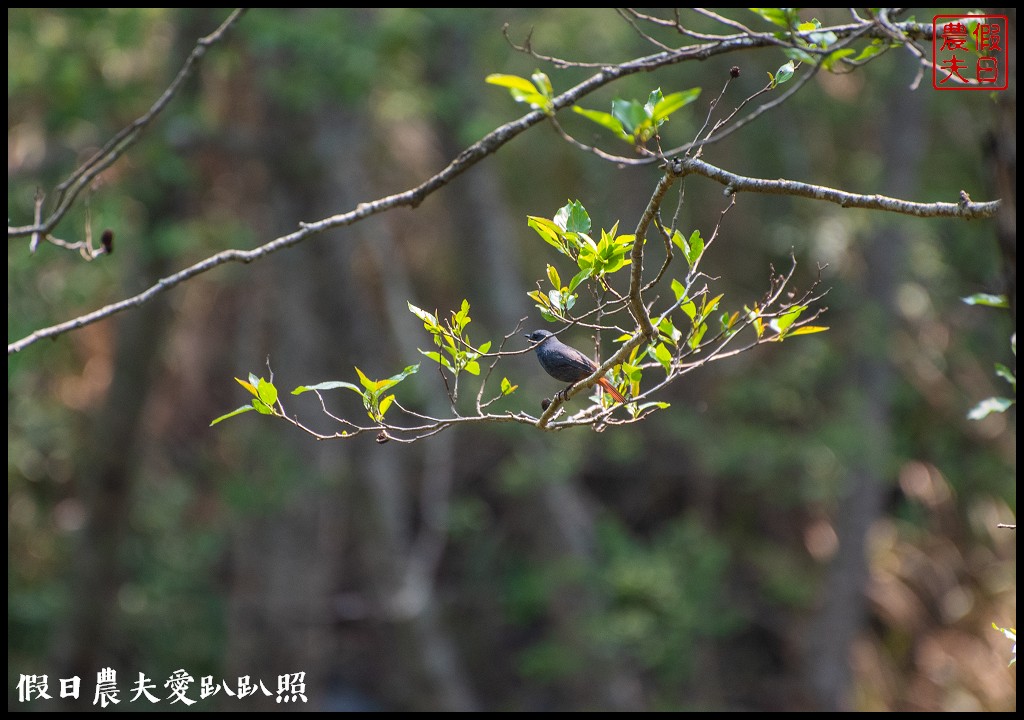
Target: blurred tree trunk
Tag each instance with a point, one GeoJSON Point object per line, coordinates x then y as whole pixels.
{"type": "Point", "coordinates": [844, 611]}
{"type": "Point", "coordinates": [94, 635]}
{"type": "Point", "coordinates": [107, 463]}
{"type": "Point", "coordinates": [375, 530]}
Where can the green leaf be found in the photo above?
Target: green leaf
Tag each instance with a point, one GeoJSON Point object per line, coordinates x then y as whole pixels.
{"type": "Point", "coordinates": [543, 83]}
{"type": "Point", "coordinates": [659, 405]}
{"type": "Point", "coordinates": [664, 356]}
{"type": "Point", "coordinates": [439, 359]}
{"type": "Point", "coordinates": [249, 386]}
{"type": "Point", "coordinates": [615, 265]}
{"type": "Point", "coordinates": [633, 373]}
{"type": "Point", "coordinates": [678, 289]}
{"type": "Point", "coordinates": [695, 247]}
{"type": "Point", "coordinates": [541, 298]}
{"type": "Point", "coordinates": [472, 367]}
{"type": "Point", "coordinates": [796, 55]}
{"type": "Point", "coordinates": [511, 82]}
{"type": "Point", "coordinates": [366, 382]}
{"type": "Point", "coordinates": [709, 306]}
{"type": "Point", "coordinates": [535, 100]}
{"type": "Point", "coordinates": [807, 330]}
{"type": "Point", "coordinates": [870, 51]}
{"type": "Point", "coordinates": [507, 388]}
{"type": "Point", "coordinates": [485, 347]}
{"type": "Point", "coordinates": [785, 73]}
{"type": "Point", "coordinates": [680, 242]}
{"type": "Point", "coordinates": [429, 320]}
{"type": "Point", "coordinates": [538, 96]}
{"type": "Point", "coordinates": [573, 218]}
{"type": "Point", "coordinates": [385, 404]}
{"type": "Point", "coordinates": [670, 103]}
{"type": "Point", "coordinates": [549, 231]}
{"type": "Point", "coordinates": [697, 336]}
{"type": "Point", "coordinates": [261, 407]}
{"type": "Point", "coordinates": [603, 119]}
{"type": "Point", "coordinates": [395, 379]}
{"type": "Point", "coordinates": [239, 411]}
{"type": "Point", "coordinates": [653, 99]}
{"type": "Point", "coordinates": [728, 320]}
{"type": "Point", "coordinates": [553, 277]}
{"type": "Point", "coordinates": [580, 277]}
{"type": "Point", "coordinates": [824, 39]}
{"type": "Point", "coordinates": [670, 331]}
{"type": "Point", "coordinates": [268, 393]}
{"type": "Point", "coordinates": [623, 243]}
{"type": "Point", "coordinates": [1006, 374]}
{"type": "Point", "coordinates": [461, 318]}
{"type": "Point", "coordinates": [782, 17]}
{"type": "Point", "coordinates": [998, 301]}
{"type": "Point", "coordinates": [754, 316]}
{"type": "Point", "coordinates": [832, 58]}
{"type": "Point", "coordinates": [330, 385]}
{"type": "Point", "coordinates": [586, 243]}
{"type": "Point", "coordinates": [988, 406]}
{"type": "Point", "coordinates": [630, 113]}
{"type": "Point", "coordinates": [782, 323]}
{"type": "Point", "coordinates": [690, 309]}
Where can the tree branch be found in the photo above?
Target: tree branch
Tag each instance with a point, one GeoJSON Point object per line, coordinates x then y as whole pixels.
{"type": "Point", "coordinates": [466, 159]}
{"type": "Point", "coordinates": [68, 190]}
{"type": "Point", "coordinates": [965, 208]}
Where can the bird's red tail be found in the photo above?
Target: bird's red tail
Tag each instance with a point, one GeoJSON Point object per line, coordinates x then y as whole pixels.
{"type": "Point", "coordinates": [607, 385]}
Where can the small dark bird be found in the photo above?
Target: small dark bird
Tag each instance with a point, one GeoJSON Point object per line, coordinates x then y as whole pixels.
{"type": "Point", "coordinates": [567, 363]}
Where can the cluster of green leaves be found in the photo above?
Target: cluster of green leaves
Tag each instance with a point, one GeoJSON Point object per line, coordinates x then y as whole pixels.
{"type": "Point", "coordinates": [808, 36]}
{"type": "Point", "coordinates": [557, 302]}
{"type": "Point", "coordinates": [568, 232]}
{"type": "Point", "coordinates": [264, 397]}
{"type": "Point", "coordinates": [783, 325]}
{"type": "Point", "coordinates": [536, 92]}
{"type": "Point", "coordinates": [637, 122]}
{"type": "Point", "coordinates": [698, 317]}
{"type": "Point", "coordinates": [373, 393]}
{"type": "Point", "coordinates": [631, 120]}
{"type": "Point", "coordinates": [451, 336]}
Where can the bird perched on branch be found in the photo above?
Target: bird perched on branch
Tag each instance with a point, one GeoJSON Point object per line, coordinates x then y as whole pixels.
{"type": "Point", "coordinates": [566, 363]}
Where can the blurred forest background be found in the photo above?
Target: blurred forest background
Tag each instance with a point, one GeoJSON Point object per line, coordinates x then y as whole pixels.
{"type": "Point", "coordinates": [811, 525]}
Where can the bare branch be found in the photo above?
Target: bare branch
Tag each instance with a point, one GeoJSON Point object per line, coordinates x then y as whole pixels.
{"type": "Point", "coordinates": [68, 190]}
{"type": "Point", "coordinates": [965, 208]}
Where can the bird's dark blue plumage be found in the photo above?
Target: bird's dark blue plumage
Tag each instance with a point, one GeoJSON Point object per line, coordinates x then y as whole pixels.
{"type": "Point", "coordinates": [566, 363]}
